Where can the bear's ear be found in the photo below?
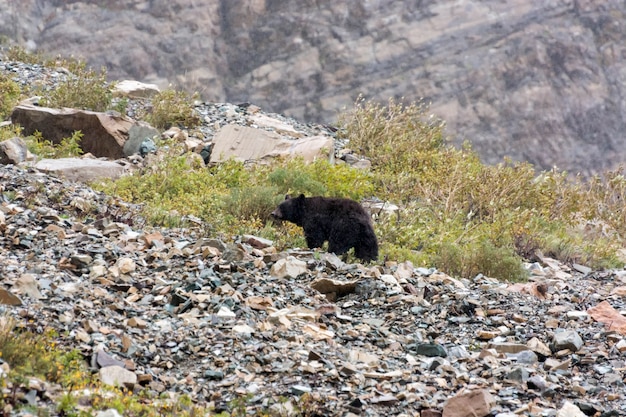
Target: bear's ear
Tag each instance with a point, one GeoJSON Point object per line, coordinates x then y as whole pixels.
{"type": "Point", "coordinates": [301, 197]}
{"type": "Point", "coordinates": [287, 197]}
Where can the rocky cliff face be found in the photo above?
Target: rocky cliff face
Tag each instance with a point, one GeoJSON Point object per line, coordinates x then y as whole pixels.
{"type": "Point", "coordinates": [536, 80]}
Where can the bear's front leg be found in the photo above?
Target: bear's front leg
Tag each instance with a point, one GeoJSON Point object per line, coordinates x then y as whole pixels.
{"type": "Point", "coordinates": [314, 237]}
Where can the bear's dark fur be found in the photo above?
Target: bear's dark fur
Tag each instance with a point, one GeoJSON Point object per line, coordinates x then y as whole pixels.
{"type": "Point", "coordinates": [342, 222]}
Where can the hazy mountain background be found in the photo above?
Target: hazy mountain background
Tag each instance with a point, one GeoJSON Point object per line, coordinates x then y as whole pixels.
{"type": "Point", "coordinates": [536, 80]}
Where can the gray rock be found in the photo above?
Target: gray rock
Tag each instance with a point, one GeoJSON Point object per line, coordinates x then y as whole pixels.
{"type": "Point", "coordinates": [526, 357]}
{"type": "Point", "coordinates": [140, 139]}
{"type": "Point", "coordinates": [518, 374]}
{"type": "Point", "coordinates": [111, 412]}
{"type": "Point", "coordinates": [13, 151]}
{"type": "Point", "coordinates": [135, 89]}
{"type": "Point", "coordinates": [81, 169]}
{"type": "Point", "coordinates": [248, 144]}
{"type": "Point", "coordinates": [429, 349]}
{"type": "Point", "coordinates": [117, 376]}
{"type": "Point", "coordinates": [567, 339]}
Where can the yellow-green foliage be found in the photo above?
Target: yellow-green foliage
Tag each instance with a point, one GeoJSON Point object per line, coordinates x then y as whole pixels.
{"type": "Point", "coordinates": [461, 215]}
{"type": "Point", "coordinates": [26, 352]}
{"type": "Point", "coordinates": [46, 149]}
{"type": "Point", "coordinates": [230, 197]}
{"type": "Point", "coordinates": [604, 199]}
{"type": "Point", "coordinates": [18, 53]}
{"type": "Point", "coordinates": [84, 89]}
{"type": "Point", "coordinates": [10, 131]}
{"type": "Point", "coordinates": [172, 108]}
{"type": "Point", "coordinates": [37, 354]}
{"type": "Point", "coordinates": [31, 354]}
{"type": "Point", "coordinates": [9, 96]}
{"type": "Point", "coordinates": [458, 214]}
{"type": "Point", "coordinates": [321, 178]}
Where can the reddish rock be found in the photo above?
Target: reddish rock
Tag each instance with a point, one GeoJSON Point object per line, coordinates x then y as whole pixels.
{"type": "Point", "coordinates": [476, 403]}
{"type": "Point", "coordinates": [605, 313]}
{"type": "Point", "coordinates": [539, 290]}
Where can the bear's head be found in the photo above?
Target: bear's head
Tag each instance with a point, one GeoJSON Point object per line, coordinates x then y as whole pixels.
{"type": "Point", "coordinates": [291, 209]}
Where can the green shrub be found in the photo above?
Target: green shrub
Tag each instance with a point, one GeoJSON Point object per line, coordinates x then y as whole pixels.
{"type": "Point", "coordinates": [251, 203]}
{"type": "Point", "coordinates": [19, 54]}
{"type": "Point", "coordinates": [10, 131]}
{"type": "Point", "coordinates": [9, 96]}
{"type": "Point", "coordinates": [320, 178]}
{"type": "Point", "coordinates": [84, 89]}
{"type": "Point", "coordinates": [172, 108]}
{"type": "Point", "coordinates": [484, 257]}
{"type": "Point", "coordinates": [24, 351]}
{"type": "Point", "coordinates": [68, 147]}
{"type": "Point", "coordinates": [466, 217]}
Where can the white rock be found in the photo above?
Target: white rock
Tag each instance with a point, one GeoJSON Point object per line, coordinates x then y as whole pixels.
{"type": "Point", "coordinates": [136, 89]}
{"type": "Point", "coordinates": [569, 410]}
{"type": "Point", "coordinates": [288, 267]}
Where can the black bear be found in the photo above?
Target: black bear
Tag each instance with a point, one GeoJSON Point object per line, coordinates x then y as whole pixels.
{"type": "Point", "coordinates": [342, 222]}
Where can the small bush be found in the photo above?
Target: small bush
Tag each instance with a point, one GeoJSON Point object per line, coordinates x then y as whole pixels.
{"type": "Point", "coordinates": [24, 351]}
{"type": "Point", "coordinates": [172, 108]}
{"type": "Point", "coordinates": [320, 178]}
{"type": "Point", "coordinates": [84, 89]}
{"type": "Point", "coordinates": [68, 147]}
{"type": "Point", "coordinates": [484, 257]}
{"type": "Point", "coordinates": [9, 96]}
{"type": "Point", "coordinates": [252, 203]}
{"type": "Point", "coordinates": [10, 131]}
{"type": "Point", "coordinates": [19, 54]}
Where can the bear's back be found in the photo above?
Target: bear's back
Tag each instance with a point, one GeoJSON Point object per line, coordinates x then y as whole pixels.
{"type": "Point", "coordinates": [335, 206]}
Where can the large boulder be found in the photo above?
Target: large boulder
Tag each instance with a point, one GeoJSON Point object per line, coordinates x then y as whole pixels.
{"type": "Point", "coordinates": [104, 134]}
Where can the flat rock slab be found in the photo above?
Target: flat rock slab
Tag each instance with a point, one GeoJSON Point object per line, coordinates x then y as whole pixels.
{"type": "Point", "coordinates": [77, 169]}
{"type": "Point", "coordinates": [249, 144]}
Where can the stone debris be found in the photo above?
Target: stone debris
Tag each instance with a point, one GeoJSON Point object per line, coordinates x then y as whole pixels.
{"type": "Point", "coordinates": [146, 312]}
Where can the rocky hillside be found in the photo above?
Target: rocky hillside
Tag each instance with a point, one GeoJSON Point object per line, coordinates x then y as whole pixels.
{"type": "Point", "coordinates": [242, 328]}
{"type": "Point", "coordinates": [167, 312]}
{"type": "Point", "coordinates": [541, 81]}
